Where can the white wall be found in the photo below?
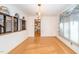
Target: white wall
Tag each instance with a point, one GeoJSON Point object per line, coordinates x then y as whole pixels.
{"type": "Point", "coordinates": [73, 47]}
{"type": "Point", "coordinates": [13, 9]}
{"type": "Point", "coordinates": [11, 40]}
{"type": "Point", "coordinates": [30, 26]}
{"type": "Point", "coordinates": [48, 25]}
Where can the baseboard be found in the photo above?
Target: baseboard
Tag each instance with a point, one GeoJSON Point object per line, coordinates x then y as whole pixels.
{"type": "Point", "coordinates": [67, 44]}
{"type": "Point", "coordinates": [16, 45]}
{"type": "Point", "coordinates": [43, 36]}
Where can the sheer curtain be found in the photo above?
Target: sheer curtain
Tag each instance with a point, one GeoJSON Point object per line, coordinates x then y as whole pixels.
{"type": "Point", "coordinates": [69, 25]}
{"type": "Point", "coordinates": [61, 30]}
{"type": "Point", "coordinates": [74, 27]}
{"type": "Point", "coordinates": [66, 27]}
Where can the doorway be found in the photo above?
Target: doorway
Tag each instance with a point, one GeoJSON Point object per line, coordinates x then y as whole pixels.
{"type": "Point", "coordinates": [37, 29]}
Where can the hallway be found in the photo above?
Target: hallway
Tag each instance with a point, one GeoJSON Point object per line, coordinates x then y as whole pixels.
{"type": "Point", "coordinates": [44, 45]}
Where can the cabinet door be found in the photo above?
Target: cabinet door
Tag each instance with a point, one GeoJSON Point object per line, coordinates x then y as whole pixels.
{"type": "Point", "coordinates": [15, 24]}
{"type": "Point", "coordinates": [8, 24]}
{"type": "Point", "coordinates": [19, 24]}
{"type": "Point", "coordinates": [1, 23]}
{"type": "Point", "coordinates": [23, 24]}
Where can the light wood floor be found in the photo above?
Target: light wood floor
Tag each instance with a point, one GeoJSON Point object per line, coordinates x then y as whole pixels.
{"type": "Point", "coordinates": [44, 45]}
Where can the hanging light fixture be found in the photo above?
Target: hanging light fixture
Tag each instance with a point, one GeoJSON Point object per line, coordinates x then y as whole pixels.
{"type": "Point", "coordinates": [38, 14]}
{"type": "Point", "coordinates": [37, 22]}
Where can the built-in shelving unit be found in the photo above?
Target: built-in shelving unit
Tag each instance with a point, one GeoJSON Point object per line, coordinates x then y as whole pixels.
{"type": "Point", "coordinates": [9, 24]}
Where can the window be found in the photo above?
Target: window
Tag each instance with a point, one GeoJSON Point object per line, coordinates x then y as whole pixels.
{"type": "Point", "coordinates": [69, 25]}
{"type": "Point", "coordinates": [74, 27]}
{"type": "Point", "coordinates": [61, 30]}
{"type": "Point", "coordinates": [66, 27]}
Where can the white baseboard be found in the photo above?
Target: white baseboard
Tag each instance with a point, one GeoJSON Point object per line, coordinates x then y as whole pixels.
{"type": "Point", "coordinates": [73, 47]}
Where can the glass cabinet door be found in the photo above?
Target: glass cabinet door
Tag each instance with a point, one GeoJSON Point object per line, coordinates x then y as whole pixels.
{"type": "Point", "coordinates": [23, 25]}
{"type": "Point", "coordinates": [8, 24]}
{"type": "Point", "coordinates": [1, 23]}
{"type": "Point", "coordinates": [15, 24]}
{"type": "Point", "coordinates": [19, 24]}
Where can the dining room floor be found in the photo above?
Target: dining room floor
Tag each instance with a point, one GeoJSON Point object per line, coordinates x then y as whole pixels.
{"type": "Point", "coordinates": [42, 45]}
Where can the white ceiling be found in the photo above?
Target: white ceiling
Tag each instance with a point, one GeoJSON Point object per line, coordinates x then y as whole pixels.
{"type": "Point", "coordinates": [46, 9]}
